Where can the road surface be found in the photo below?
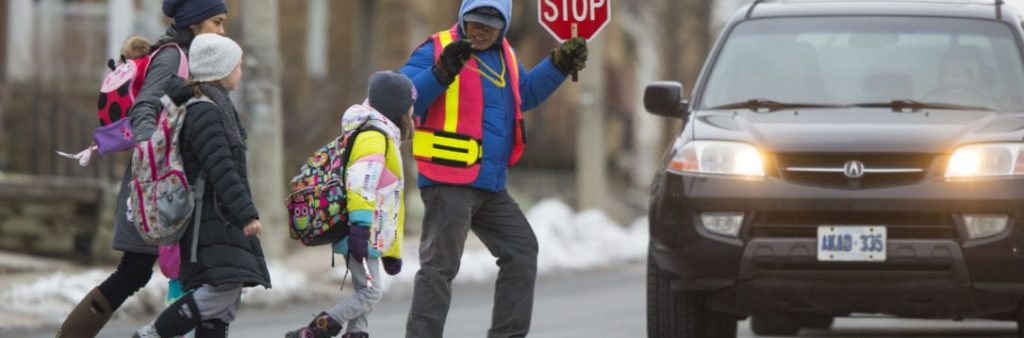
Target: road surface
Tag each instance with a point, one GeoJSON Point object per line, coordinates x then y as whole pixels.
{"type": "Point", "coordinates": [604, 303]}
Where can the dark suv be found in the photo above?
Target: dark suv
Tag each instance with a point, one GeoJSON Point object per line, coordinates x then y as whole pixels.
{"type": "Point", "coordinates": [843, 157]}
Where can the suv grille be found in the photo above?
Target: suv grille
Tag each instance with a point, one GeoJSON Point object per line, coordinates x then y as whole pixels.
{"type": "Point", "coordinates": [900, 225]}
{"type": "Point", "coordinates": [828, 170]}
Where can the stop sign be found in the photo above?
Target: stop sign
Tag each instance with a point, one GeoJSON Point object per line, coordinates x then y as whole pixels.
{"type": "Point", "coordinates": [559, 17]}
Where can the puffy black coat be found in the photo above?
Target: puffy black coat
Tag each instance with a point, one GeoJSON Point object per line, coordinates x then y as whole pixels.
{"type": "Point", "coordinates": [225, 254]}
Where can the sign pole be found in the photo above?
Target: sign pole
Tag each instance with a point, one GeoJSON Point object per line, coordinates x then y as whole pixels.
{"type": "Point", "coordinates": [575, 34]}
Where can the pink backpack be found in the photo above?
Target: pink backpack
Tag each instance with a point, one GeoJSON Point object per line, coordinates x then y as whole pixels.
{"type": "Point", "coordinates": [118, 92]}
{"type": "Point", "coordinates": [120, 88]}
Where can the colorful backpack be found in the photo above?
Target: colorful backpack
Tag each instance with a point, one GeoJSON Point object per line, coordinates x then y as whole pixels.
{"type": "Point", "coordinates": [160, 200]}
{"type": "Point", "coordinates": [119, 90]}
{"type": "Point", "coordinates": [317, 208]}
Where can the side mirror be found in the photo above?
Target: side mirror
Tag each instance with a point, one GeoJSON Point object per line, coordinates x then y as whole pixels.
{"type": "Point", "coordinates": [666, 99]}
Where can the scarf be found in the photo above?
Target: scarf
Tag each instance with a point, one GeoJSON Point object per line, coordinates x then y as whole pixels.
{"type": "Point", "coordinates": [219, 95]}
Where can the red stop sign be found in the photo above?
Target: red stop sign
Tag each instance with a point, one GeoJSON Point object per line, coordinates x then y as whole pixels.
{"type": "Point", "coordinates": [559, 16]}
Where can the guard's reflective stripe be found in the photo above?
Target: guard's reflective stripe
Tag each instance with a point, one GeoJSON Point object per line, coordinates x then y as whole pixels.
{"type": "Point", "coordinates": [450, 148]}
{"type": "Point", "coordinates": [451, 105]}
{"type": "Point", "coordinates": [519, 144]}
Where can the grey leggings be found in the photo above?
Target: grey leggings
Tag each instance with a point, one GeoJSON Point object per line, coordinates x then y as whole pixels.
{"type": "Point", "coordinates": [357, 307]}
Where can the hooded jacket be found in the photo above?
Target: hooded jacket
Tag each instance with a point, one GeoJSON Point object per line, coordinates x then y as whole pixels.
{"type": "Point", "coordinates": [373, 181]}
{"type": "Point", "coordinates": [499, 114]}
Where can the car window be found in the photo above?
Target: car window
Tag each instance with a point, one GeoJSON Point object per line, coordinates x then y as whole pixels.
{"type": "Point", "coordinates": [852, 60]}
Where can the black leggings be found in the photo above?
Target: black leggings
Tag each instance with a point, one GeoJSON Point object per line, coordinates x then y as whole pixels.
{"type": "Point", "coordinates": [131, 275]}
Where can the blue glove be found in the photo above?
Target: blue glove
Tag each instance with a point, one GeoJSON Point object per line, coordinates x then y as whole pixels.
{"type": "Point", "coordinates": [358, 241]}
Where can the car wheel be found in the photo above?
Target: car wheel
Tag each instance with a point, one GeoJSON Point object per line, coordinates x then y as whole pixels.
{"type": "Point", "coordinates": [816, 321]}
{"type": "Point", "coordinates": [1020, 325]}
{"type": "Point", "coordinates": [774, 326]}
{"type": "Point", "coordinates": [681, 314]}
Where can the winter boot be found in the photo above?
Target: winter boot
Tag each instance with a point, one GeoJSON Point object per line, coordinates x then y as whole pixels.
{"type": "Point", "coordinates": [323, 326]}
{"type": "Point", "coordinates": [356, 335]}
{"type": "Point", "coordinates": [215, 328]}
{"type": "Point", "coordinates": [88, 317]}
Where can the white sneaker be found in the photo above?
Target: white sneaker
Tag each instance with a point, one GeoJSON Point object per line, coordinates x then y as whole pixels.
{"type": "Point", "coordinates": [147, 331]}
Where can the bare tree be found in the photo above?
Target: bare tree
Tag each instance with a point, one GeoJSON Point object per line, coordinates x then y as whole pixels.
{"type": "Point", "coordinates": [262, 97]}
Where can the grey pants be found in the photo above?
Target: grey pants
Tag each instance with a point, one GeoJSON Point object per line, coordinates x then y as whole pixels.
{"type": "Point", "coordinates": [218, 302]}
{"type": "Point", "coordinates": [212, 302]}
{"type": "Point", "coordinates": [355, 308]}
{"type": "Point", "coordinates": [451, 211]}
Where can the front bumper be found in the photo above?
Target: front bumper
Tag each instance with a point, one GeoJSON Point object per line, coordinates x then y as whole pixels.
{"type": "Point", "coordinates": [932, 269]}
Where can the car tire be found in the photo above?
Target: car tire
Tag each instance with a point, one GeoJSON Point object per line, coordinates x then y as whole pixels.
{"type": "Point", "coordinates": [673, 314]}
{"type": "Point", "coordinates": [774, 326]}
{"type": "Point", "coordinates": [816, 321]}
{"type": "Point", "coordinates": [1020, 324]}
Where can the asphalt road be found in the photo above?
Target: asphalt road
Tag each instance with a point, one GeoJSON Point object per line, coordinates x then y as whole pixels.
{"type": "Point", "coordinates": [605, 303]}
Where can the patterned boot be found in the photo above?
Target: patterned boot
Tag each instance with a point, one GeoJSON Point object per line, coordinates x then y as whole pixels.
{"type": "Point", "coordinates": [323, 326]}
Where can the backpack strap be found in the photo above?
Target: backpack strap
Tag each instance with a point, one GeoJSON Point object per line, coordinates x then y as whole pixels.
{"type": "Point", "coordinates": [351, 140]}
{"type": "Point", "coordinates": [197, 212]}
{"type": "Point", "coordinates": [182, 61]}
{"type": "Point", "coordinates": [199, 190]}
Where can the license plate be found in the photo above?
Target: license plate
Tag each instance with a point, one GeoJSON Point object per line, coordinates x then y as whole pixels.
{"type": "Point", "coordinates": [851, 243]}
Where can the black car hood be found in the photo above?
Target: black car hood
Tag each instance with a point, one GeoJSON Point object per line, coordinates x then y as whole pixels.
{"type": "Point", "coordinates": [859, 130]}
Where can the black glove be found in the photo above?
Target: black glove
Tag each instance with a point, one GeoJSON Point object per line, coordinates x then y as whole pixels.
{"type": "Point", "coordinates": [570, 56]}
{"type": "Point", "coordinates": [453, 57]}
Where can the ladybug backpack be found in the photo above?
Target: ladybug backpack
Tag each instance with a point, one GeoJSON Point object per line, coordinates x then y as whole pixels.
{"type": "Point", "coordinates": [118, 92]}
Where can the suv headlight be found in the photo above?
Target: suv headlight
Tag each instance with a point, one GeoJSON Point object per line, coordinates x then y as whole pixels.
{"type": "Point", "coordinates": [986, 160]}
{"type": "Point", "coordinates": [719, 158]}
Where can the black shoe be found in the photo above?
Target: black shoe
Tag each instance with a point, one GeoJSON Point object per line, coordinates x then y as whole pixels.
{"type": "Point", "coordinates": [323, 326]}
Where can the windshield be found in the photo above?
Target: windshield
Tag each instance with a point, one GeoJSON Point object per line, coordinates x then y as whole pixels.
{"type": "Point", "coordinates": [846, 61]}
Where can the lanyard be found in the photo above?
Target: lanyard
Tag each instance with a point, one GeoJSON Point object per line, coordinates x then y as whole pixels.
{"type": "Point", "coordinates": [496, 78]}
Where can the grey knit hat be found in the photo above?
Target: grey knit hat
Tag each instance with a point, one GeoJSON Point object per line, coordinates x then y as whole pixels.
{"type": "Point", "coordinates": [391, 94]}
{"type": "Point", "coordinates": [212, 57]}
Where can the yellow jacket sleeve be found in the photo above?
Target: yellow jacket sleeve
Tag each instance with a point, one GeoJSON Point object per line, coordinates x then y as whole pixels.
{"type": "Point", "coordinates": [362, 176]}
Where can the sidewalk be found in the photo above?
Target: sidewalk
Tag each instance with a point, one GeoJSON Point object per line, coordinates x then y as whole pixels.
{"type": "Point", "coordinates": [42, 292]}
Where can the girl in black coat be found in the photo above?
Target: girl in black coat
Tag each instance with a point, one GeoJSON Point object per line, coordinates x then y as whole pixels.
{"type": "Point", "coordinates": [191, 17]}
{"type": "Point", "coordinates": [222, 254]}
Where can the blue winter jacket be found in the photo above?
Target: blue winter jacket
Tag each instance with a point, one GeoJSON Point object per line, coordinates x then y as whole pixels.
{"type": "Point", "coordinates": [535, 86]}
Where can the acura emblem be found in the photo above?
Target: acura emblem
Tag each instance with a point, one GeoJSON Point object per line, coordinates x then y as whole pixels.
{"type": "Point", "coordinates": [854, 169]}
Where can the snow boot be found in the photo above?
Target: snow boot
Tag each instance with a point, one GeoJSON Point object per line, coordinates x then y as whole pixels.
{"type": "Point", "coordinates": [323, 326]}
{"type": "Point", "coordinates": [88, 317]}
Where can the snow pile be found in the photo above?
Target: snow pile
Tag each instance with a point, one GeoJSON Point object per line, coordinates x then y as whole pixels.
{"type": "Point", "coordinates": [568, 241]}
{"type": "Point", "coordinates": [52, 298]}
{"type": "Point", "coordinates": [288, 286]}
{"type": "Point", "coordinates": [586, 240]}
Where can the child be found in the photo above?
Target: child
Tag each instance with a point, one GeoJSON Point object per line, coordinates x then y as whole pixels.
{"type": "Point", "coordinates": [376, 206]}
{"type": "Point", "coordinates": [222, 254]}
